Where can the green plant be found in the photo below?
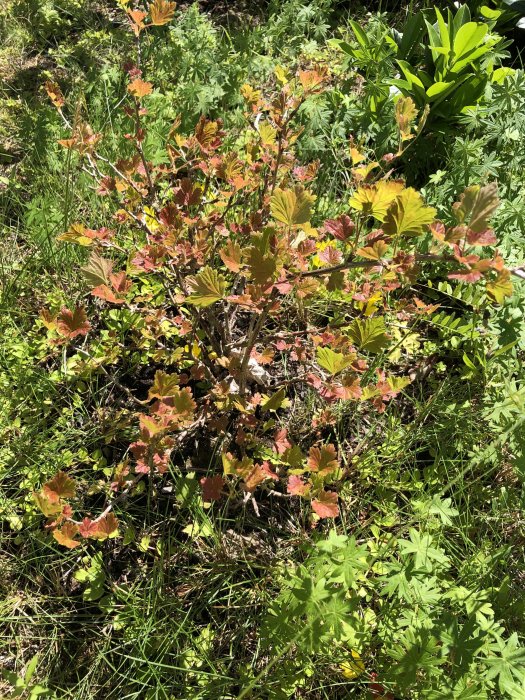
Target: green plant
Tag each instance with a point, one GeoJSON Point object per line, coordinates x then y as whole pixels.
{"type": "Point", "coordinates": [460, 61]}
{"type": "Point", "coordinates": [390, 613]}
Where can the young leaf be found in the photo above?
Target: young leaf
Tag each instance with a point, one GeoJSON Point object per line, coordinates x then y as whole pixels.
{"type": "Point", "coordinates": [408, 215]}
{"type": "Point", "coordinates": [207, 287]}
{"type": "Point", "coordinates": [325, 505]}
{"type": "Point", "coordinates": [291, 207]}
{"type": "Point", "coordinates": [161, 12]}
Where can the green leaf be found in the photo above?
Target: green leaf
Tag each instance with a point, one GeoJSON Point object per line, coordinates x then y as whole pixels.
{"type": "Point", "coordinates": [333, 362]}
{"type": "Point", "coordinates": [207, 287]}
{"type": "Point", "coordinates": [275, 401]}
{"type": "Point", "coordinates": [369, 333]}
{"type": "Point", "coordinates": [509, 666]}
{"type": "Point", "coordinates": [360, 35]}
{"type": "Point", "coordinates": [420, 547]}
{"type": "Point", "coordinates": [438, 88]}
{"type": "Point", "coordinates": [467, 39]}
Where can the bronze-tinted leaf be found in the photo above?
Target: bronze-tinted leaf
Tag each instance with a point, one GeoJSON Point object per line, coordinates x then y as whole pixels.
{"type": "Point", "coordinates": [162, 12]}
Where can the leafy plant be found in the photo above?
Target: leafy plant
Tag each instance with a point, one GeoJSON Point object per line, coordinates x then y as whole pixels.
{"type": "Point", "coordinates": [461, 59]}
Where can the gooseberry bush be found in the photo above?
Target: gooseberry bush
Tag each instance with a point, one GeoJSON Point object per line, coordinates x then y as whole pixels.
{"type": "Point", "coordinates": [218, 277]}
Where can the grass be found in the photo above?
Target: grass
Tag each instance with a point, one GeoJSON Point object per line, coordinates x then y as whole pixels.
{"type": "Point", "coordinates": [176, 608]}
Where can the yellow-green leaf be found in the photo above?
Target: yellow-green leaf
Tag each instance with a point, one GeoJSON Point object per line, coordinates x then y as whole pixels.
{"type": "Point", "coordinates": [369, 333]}
{"type": "Point", "coordinates": [408, 215]}
{"type": "Point", "coordinates": [291, 207]}
{"type": "Point", "coordinates": [501, 288]}
{"type": "Point", "coordinates": [207, 287]}
{"type": "Point", "coordinates": [332, 361]}
{"type": "Point", "coordinates": [374, 200]}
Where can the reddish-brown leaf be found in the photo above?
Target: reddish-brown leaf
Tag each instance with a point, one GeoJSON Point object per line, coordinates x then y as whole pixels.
{"type": "Point", "coordinates": [281, 441]}
{"type": "Point", "coordinates": [486, 237]}
{"type": "Point", "coordinates": [211, 487]}
{"type": "Point", "coordinates": [323, 460]}
{"type": "Point", "coordinates": [54, 93]}
{"type": "Point", "coordinates": [60, 486]}
{"type": "Point", "coordinates": [325, 505]}
{"type": "Point", "coordinates": [341, 228]}
{"type": "Point", "coordinates": [71, 324]}
{"type": "Point", "coordinates": [65, 536]}
{"type": "Point", "coordinates": [88, 527]}
{"type": "Point", "coordinates": [296, 486]}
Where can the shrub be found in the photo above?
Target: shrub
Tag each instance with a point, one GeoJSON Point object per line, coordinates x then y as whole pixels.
{"type": "Point", "coordinates": [241, 301]}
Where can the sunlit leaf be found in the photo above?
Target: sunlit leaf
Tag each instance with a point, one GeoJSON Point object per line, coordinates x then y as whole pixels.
{"type": "Point", "coordinates": [140, 88]}
{"type": "Point", "coordinates": [98, 270]}
{"type": "Point", "coordinates": [162, 12]}
{"type": "Point", "coordinates": [60, 486]}
{"type": "Point", "coordinates": [374, 200]}
{"type": "Point", "coordinates": [291, 207]}
{"type": "Point", "coordinates": [54, 93]}
{"type": "Point", "coordinates": [325, 504]}
{"type": "Point", "coordinates": [164, 385]}
{"type": "Point", "coordinates": [65, 536]}
{"type": "Point", "coordinates": [207, 287]}
{"type": "Point", "coordinates": [476, 206]}
{"type": "Point", "coordinates": [408, 215]}
{"type": "Point", "coordinates": [501, 288]}
{"type": "Point", "coordinates": [405, 113]}
{"type": "Point", "coordinates": [332, 361]}
{"type": "Point", "coordinates": [323, 460]}
{"type": "Point", "coordinates": [297, 486]}
{"type": "Point", "coordinates": [71, 324]}
{"type": "Point", "coordinates": [369, 334]}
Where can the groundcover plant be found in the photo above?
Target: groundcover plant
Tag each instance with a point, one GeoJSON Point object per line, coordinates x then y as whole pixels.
{"type": "Point", "coordinates": [262, 346]}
